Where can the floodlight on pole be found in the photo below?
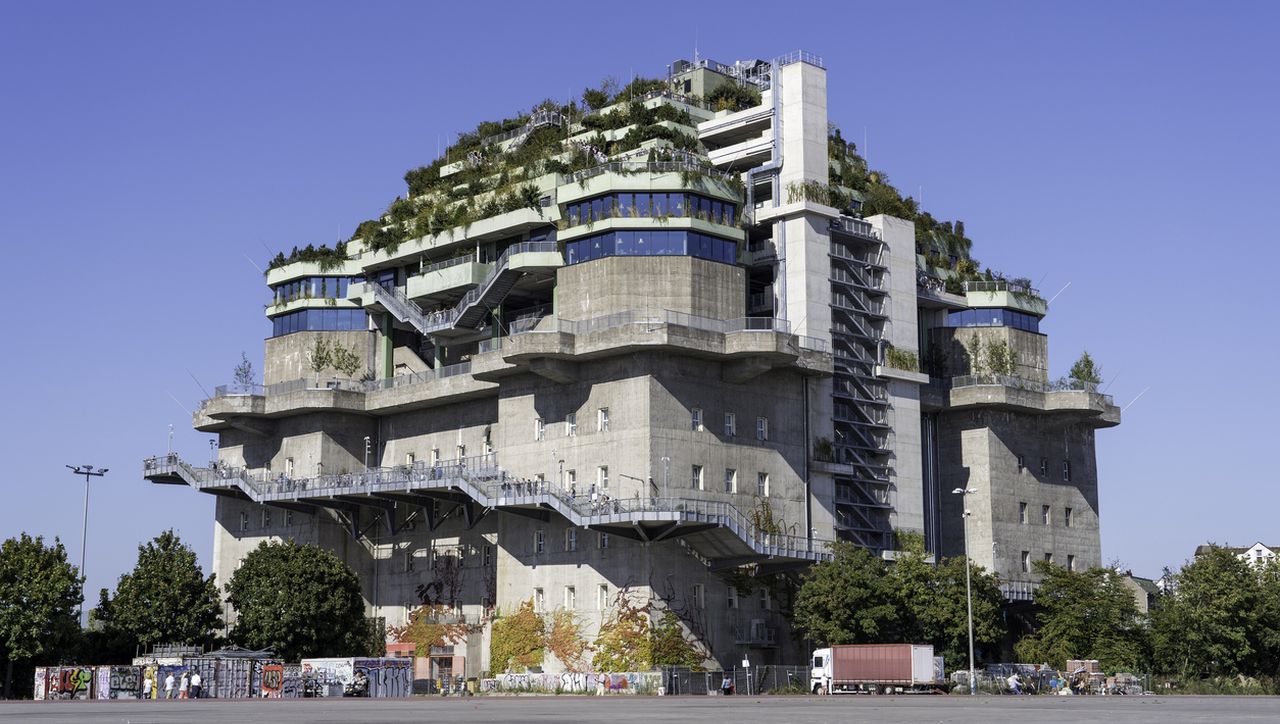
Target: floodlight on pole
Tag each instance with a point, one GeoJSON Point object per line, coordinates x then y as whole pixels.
{"type": "Point", "coordinates": [968, 586]}
{"type": "Point", "coordinates": [88, 472]}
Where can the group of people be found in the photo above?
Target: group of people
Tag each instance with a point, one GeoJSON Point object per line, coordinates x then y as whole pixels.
{"type": "Point", "coordinates": [188, 687]}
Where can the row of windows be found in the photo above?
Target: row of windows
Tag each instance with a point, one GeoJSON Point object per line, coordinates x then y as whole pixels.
{"type": "Point", "coordinates": [319, 320]}
{"type": "Point", "coordinates": [994, 318]}
{"type": "Point", "coordinates": [1048, 558]}
{"type": "Point", "coordinates": [605, 598]}
{"type": "Point", "coordinates": [730, 424]}
{"type": "Point", "coordinates": [1044, 468]}
{"type": "Point", "coordinates": [571, 424]}
{"type": "Point", "coordinates": [651, 243]}
{"type": "Point", "coordinates": [264, 519]}
{"type": "Point", "coordinates": [697, 476]}
{"type": "Point", "coordinates": [646, 204]}
{"type": "Point", "coordinates": [410, 557]}
{"type": "Point", "coordinates": [570, 541]}
{"type": "Point", "coordinates": [313, 288]}
{"type": "Point", "coordinates": [1046, 515]}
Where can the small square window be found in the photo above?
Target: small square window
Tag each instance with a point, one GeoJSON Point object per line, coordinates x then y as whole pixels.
{"type": "Point", "coordinates": [571, 424]}
{"type": "Point", "coordinates": [288, 517]}
{"type": "Point", "coordinates": [266, 517]}
{"type": "Point", "coordinates": [539, 429]}
{"type": "Point", "coordinates": [571, 540]}
{"type": "Point", "coordinates": [603, 541]}
{"type": "Point", "coordinates": [602, 477]}
{"type": "Point", "coordinates": [1048, 558]}
{"type": "Point", "coordinates": [539, 600]}
{"type": "Point", "coordinates": [1021, 464]}
{"type": "Point", "coordinates": [1026, 561]}
{"type": "Point", "coordinates": [762, 484]}
{"type": "Point", "coordinates": [730, 424]}
{"type": "Point", "coordinates": [1067, 517]}
{"type": "Point", "coordinates": [1044, 466]}
{"type": "Point", "coordinates": [766, 601]}
{"type": "Point", "coordinates": [731, 596]}
{"type": "Point", "coordinates": [730, 480]}
{"type": "Point", "coordinates": [1071, 562]}
{"type": "Point", "coordinates": [244, 521]}
{"type": "Point", "coordinates": [602, 596]}
{"type": "Point", "coordinates": [1022, 513]}
{"type": "Point", "coordinates": [539, 542]}
{"type": "Point", "coordinates": [602, 419]}
{"type": "Point", "coordinates": [696, 477]}
{"type": "Point", "coordinates": [570, 597]}
{"type": "Point", "coordinates": [1066, 471]}
{"type": "Point", "coordinates": [486, 554]}
{"type": "Point", "coordinates": [697, 597]}
{"type": "Point", "coordinates": [408, 561]}
{"type": "Point", "coordinates": [695, 421]}
{"type": "Point", "coordinates": [1044, 515]}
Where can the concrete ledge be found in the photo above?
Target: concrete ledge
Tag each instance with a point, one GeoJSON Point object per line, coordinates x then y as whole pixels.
{"type": "Point", "coordinates": [893, 373]}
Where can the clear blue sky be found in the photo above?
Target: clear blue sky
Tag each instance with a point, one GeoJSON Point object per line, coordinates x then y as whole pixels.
{"type": "Point", "coordinates": [150, 151]}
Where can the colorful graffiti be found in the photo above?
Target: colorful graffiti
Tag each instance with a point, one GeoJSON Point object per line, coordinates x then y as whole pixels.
{"type": "Point", "coordinates": [388, 677]}
{"type": "Point", "coordinates": [571, 682]}
{"type": "Point", "coordinates": [123, 682]}
{"type": "Point", "coordinates": [69, 682]}
{"type": "Point", "coordinates": [328, 677]}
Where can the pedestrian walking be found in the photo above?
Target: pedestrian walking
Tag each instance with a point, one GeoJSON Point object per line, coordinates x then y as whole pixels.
{"type": "Point", "coordinates": [1015, 684]}
{"type": "Point", "coordinates": [183, 686]}
{"type": "Point", "coordinates": [146, 687]}
{"type": "Point", "coordinates": [169, 684]}
{"type": "Point", "coordinates": [195, 685]}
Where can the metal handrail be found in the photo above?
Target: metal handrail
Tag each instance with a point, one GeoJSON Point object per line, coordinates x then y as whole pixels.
{"type": "Point", "coordinates": [455, 261]}
{"type": "Point", "coordinates": [1001, 285]}
{"type": "Point", "coordinates": [645, 167]}
{"type": "Point", "coordinates": [483, 480]}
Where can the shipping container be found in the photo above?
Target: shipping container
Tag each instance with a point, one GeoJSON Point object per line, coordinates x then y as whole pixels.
{"type": "Point", "coordinates": [875, 668]}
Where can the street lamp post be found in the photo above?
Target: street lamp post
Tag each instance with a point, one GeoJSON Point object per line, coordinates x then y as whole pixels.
{"type": "Point", "coordinates": [88, 472]}
{"type": "Point", "coordinates": [968, 586]}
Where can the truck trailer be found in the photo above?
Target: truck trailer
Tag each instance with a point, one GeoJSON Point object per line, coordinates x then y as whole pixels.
{"type": "Point", "coordinates": [876, 669]}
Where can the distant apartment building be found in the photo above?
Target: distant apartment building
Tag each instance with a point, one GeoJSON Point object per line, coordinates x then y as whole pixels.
{"type": "Point", "coordinates": [1256, 554]}
{"type": "Point", "coordinates": [652, 349]}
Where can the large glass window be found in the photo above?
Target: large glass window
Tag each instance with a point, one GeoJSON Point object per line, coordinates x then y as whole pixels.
{"type": "Point", "coordinates": [994, 318]}
{"type": "Point", "coordinates": [650, 204]}
{"type": "Point", "coordinates": [651, 243]}
{"type": "Point", "coordinates": [319, 320]}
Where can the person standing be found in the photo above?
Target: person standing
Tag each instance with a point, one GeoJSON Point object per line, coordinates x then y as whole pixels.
{"type": "Point", "coordinates": [183, 686]}
{"type": "Point", "coordinates": [168, 686]}
{"type": "Point", "coordinates": [195, 685]}
{"type": "Point", "coordinates": [146, 687]}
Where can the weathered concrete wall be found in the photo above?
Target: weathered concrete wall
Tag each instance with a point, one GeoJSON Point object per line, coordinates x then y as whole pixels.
{"type": "Point", "coordinates": [287, 359]}
{"type": "Point", "coordinates": [678, 283]}
{"type": "Point", "coordinates": [1032, 349]}
{"type": "Point", "coordinates": [980, 449]}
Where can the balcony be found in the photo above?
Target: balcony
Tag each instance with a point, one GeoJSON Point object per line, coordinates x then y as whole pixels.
{"type": "Point", "coordinates": [1063, 396]}
{"type": "Point", "coordinates": [718, 530]}
{"type": "Point", "coordinates": [1005, 294]}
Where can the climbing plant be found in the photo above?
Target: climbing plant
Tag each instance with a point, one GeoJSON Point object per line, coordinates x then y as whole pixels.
{"type": "Point", "coordinates": [518, 641]}
{"type": "Point", "coordinates": [426, 629]}
{"type": "Point", "coordinates": [624, 642]}
{"type": "Point", "coordinates": [565, 641]}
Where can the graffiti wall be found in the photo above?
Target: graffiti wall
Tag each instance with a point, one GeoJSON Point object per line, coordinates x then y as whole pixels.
{"type": "Point", "coordinates": [279, 680]}
{"type": "Point", "coordinates": [569, 682]}
{"type": "Point", "coordinates": [41, 674]}
{"type": "Point", "coordinates": [102, 682]}
{"type": "Point", "coordinates": [388, 677]}
{"type": "Point", "coordinates": [327, 677]}
{"type": "Point", "coordinates": [68, 682]}
{"type": "Point", "coordinates": [123, 682]}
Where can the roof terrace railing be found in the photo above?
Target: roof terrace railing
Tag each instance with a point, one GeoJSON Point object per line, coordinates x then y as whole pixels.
{"type": "Point", "coordinates": [799, 56]}
{"type": "Point", "coordinates": [1001, 285]}
{"type": "Point", "coordinates": [626, 167]}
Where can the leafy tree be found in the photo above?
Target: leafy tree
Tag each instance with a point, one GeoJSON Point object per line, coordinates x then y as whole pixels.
{"type": "Point", "coordinates": [671, 647]}
{"type": "Point", "coordinates": [166, 599]}
{"type": "Point", "coordinates": [300, 601]}
{"type": "Point", "coordinates": [519, 641]}
{"type": "Point", "coordinates": [320, 356]}
{"type": "Point", "coordinates": [39, 593]}
{"type": "Point", "coordinates": [1209, 624]}
{"type": "Point", "coordinates": [346, 360]}
{"type": "Point", "coordinates": [1268, 629]}
{"type": "Point", "coordinates": [1084, 614]}
{"type": "Point", "coordinates": [933, 605]}
{"type": "Point", "coordinates": [848, 600]}
{"type": "Point", "coordinates": [1085, 371]}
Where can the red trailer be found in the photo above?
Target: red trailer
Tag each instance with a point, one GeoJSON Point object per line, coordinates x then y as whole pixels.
{"type": "Point", "coordinates": [876, 669]}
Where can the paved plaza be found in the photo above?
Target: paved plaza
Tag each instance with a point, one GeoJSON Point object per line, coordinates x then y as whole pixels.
{"type": "Point", "coordinates": [643, 710]}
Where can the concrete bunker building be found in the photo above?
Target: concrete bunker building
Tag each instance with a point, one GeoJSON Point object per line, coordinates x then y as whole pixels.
{"type": "Point", "coordinates": [650, 349]}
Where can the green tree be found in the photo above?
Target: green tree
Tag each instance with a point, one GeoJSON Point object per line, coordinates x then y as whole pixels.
{"type": "Point", "coordinates": [848, 600]}
{"type": "Point", "coordinates": [166, 599]}
{"type": "Point", "coordinates": [39, 593]}
{"type": "Point", "coordinates": [1209, 624]}
{"type": "Point", "coordinates": [300, 601]}
{"type": "Point", "coordinates": [1269, 618]}
{"type": "Point", "coordinates": [320, 356]}
{"type": "Point", "coordinates": [1085, 371]}
{"type": "Point", "coordinates": [519, 641]}
{"type": "Point", "coordinates": [1083, 615]}
{"type": "Point", "coordinates": [933, 606]}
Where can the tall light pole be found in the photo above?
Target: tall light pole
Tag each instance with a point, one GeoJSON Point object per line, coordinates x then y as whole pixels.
{"type": "Point", "coordinates": [88, 472]}
{"type": "Point", "coordinates": [968, 586]}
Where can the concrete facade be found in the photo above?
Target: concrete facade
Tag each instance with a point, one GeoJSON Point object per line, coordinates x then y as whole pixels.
{"type": "Point", "coordinates": [566, 432]}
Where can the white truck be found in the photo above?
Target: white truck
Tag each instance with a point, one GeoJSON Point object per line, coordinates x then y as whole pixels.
{"type": "Point", "coordinates": [876, 669]}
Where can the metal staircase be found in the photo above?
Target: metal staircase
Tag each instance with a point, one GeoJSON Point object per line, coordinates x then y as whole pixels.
{"type": "Point", "coordinates": [726, 530]}
{"type": "Point", "coordinates": [471, 311]}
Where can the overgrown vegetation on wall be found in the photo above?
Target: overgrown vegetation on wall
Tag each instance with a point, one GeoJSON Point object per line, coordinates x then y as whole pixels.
{"type": "Point", "coordinates": [430, 626]}
{"type": "Point", "coordinates": [518, 641]}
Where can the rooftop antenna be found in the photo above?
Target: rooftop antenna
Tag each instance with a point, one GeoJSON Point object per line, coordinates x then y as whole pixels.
{"type": "Point", "coordinates": [202, 389]}
{"type": "Point", "coordinates": [184, 407]}
{"type": "Point", "coordinates": [1140, 394]}
{"type": "Point", "coordinates": [1110, 382]}
{"type": "Point", "coordinates": [695, 45]}
{"type": "Point", "coordinates": [1060, 291]}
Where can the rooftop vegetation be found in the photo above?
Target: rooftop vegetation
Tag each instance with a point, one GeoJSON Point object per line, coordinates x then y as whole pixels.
{"type": "Point", "coordinates": [733, 97]}
{"type": "Point", "coordinates": [326, 257]}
